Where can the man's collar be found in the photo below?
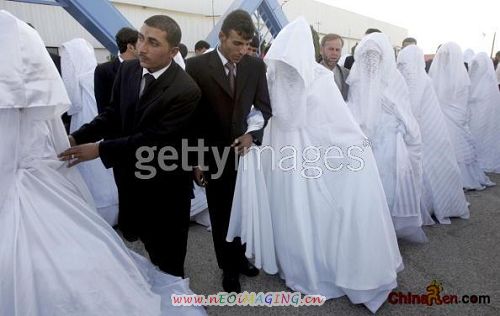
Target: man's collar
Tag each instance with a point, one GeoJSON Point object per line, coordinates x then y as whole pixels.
{"type": "Point", "coordinates": [157, 73]}
{"type": "Point", "coordinates": [222, 58]}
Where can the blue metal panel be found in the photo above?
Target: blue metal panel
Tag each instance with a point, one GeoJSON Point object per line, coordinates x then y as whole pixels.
{"type": "Point", "coordinates": [99, 17]}
{"type": "Point", "coordinates": [48, 2]}
{"type": "Point", "coordinates": [269, 10]}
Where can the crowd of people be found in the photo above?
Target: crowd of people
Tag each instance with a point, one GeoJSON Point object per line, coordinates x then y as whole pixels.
{"type": "Point", "coordinates": [312, 170]}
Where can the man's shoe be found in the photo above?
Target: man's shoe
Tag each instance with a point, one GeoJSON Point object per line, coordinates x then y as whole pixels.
{"type": "Point", "coordinates": [248, 269]}
{"type": "Point", "coordinates": [231, 283]}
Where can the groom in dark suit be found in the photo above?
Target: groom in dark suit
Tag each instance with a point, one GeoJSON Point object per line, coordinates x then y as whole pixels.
{"type": "Point", "coordinates": [105, 73]}
{"type": "Point", "coordinates": [231, 82]}
{"type": "Point", "coordinates": [152, 102]}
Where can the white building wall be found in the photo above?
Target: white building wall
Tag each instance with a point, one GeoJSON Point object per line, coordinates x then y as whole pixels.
{"type": "Point", "coordinates": [351, 26]}
{"type": "Point", "coordinates": [196, 18]}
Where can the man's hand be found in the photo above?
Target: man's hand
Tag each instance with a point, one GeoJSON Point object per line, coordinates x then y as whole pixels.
{"type": "Point", "coordinates": [199, 177]}
{"type": "Point", "coordinates": [80, 153]}
{"type": "Point", "coordinates": [242, 144]}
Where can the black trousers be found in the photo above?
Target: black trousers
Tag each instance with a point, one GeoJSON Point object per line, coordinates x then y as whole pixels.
{"type": "Point", "coordinates": [158, 213]}
{"type": "Point", "coordinates": [220, 198]}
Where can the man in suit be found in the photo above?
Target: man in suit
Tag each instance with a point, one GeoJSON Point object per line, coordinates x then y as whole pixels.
{"type": "Point", "coordinates": [153, 100]}
{"type": "Point", "coordinates": [230, 82]}
{"type": "Point", "coordinates": [105, 73]}
{"type": "Point", "coordinates": [200, 47]}
{"type": "Point", "coordinates": [331, 51]}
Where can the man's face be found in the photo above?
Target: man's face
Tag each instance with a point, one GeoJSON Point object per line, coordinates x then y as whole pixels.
{"type": "Point", "coordinates": [154, 51]}
{"type": "Point", "coordinates": [252, 51]}
{"type": "Point", "coordinates": [200, 51]}
{"type": "Point", "coordinates": [233, 46]}
{"type": "Point", "coordinates": [331, 52]}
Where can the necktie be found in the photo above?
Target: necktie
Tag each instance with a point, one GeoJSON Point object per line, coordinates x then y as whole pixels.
{"type": "Point", "coordinates": [230, 66]}
{"type": "Point", "coordinates": [148, 81]}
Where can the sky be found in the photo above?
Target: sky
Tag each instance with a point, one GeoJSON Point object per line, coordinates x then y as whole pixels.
{"type": "Point", "coordinates": [471, 24]}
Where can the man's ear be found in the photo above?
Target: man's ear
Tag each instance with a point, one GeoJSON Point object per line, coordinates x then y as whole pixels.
{"type": "Point", "coordinates": [131, 47]}
{"type": "Point", "coordinates": [222, 36]}
{"type": "Point", "coordinates": [174, 51]}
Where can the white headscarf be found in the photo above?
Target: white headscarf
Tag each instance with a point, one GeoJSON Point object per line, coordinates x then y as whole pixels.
{"type": "Point", "coordinates": [468, 55]}
{"type": "Point", "coordinates": [290, 71]}
{"type": "Point", "coordinates": [29, 81]}
{"type": "Point", "coordinates": [484, 103]}
{"type": "Point", "coordinates": [78, 63]}
{"type": "Point", "coordinates": [28, 77]}
{"type": "Point", "coordinates": [449, 75]}
{"type": "Point", "coordinates": [411, 64]}
{"type": "Point", "coordinates": [179, 60]}
{"type": "Point", "coordinates": [482, 74]}
{"type": "Point", "coordinates": [377, 85]}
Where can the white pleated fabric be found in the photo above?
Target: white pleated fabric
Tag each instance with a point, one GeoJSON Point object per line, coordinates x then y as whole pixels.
{"type": "Point", "coordinates": [327, 240]}
{"type": "Point", "coordinates": [442, 193]}
{"type": "Point", "coordinates": [484, 103]}
{"type": "Point", "coordinates": [452, 85]}
{"type": "Point", "coordinates": [78, 63]}
{"type": "Point", "coordinates": [379, 100]}
{"type": "Point", "coordinates": [58, 257]}
{"type": "Point", "coordinates": [251, 216]}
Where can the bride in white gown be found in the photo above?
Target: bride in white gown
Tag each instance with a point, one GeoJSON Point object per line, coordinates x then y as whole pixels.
{"type": "Point", "coordinates": [452, 85]}
{"type": "Point", "coordinates": [380, 102]}
{"type": "Point", "coordinates": [57, 255]}
{"type": "Point", "coordinates": [78, 63]}
{"type": "Point", "coordinates": [327, 232]}
{"type": "Point", "coordinates": [442, 193]}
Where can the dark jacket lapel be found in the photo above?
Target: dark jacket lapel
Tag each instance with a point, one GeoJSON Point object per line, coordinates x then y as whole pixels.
{"type": "Point", "coordinates": [134, 84]}
{"type": "Point", "coordinates": [218, 73]}
{"type": "Point", "coordinates": [242, 72]}
{"type": "Point", "coordinates": [153, 92]}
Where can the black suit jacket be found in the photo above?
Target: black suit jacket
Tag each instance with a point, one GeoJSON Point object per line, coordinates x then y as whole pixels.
{"type": "Point", "coordinates": [104, 76]}
{"type": "Point", "coordinates": [158, 118]}
{"type": "Point", "coordinates": [220, 118]}
{"type": "Point", "coordinates": [349, 60]}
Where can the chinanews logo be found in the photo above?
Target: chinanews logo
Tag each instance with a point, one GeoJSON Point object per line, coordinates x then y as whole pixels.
{"type": "Point", "coordinates": [434, 296]}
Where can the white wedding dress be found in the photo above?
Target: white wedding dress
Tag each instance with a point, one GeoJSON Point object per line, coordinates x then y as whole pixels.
{"type": "Point", "coordinates": [78, 63]}
{"type": "Point", "coordinates": [442, 192]}
{"type": "Point", "coordinates": [326, 232]}
{"type": "Point", "coordinates": [452, 85]}
{"type": "Point", "coordinates": [380, 102]}
{"type": "Point", "coordinates": [58, 257]}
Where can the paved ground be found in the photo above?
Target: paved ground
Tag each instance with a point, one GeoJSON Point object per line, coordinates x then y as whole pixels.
{"type": "Point", "coordinates": [463, 257]}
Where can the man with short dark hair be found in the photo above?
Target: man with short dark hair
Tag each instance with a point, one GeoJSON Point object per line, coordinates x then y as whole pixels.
{"type": "Point", "coordinates": [372, 30]}
{"type": "Point", "coordinates": [409, 41]}
{"type": "Point", "coordinates": [183, 50]}
{"type": "Point", "coordinates": [200, 47]}
{"type": "Point", "coordinates": [105, 73]}
{"type": "Point", "coordinates": [253, 48]}
{"type": "Point", "coordinates": [331, 51]}
{"type": "Point", "coordinates": [231, 82]}
{"type": "Point", "coordinates": [153, 100]}
{"type": "Point", "coordinates": [496, 61]}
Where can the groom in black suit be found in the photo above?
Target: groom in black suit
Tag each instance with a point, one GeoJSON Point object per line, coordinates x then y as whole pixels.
{"type": "Point", "coordinates": [231, 82]}
{"type": "Point", "coordinates": [105, 73]}
{"type": "Point", "coordinates": [152, 102]}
